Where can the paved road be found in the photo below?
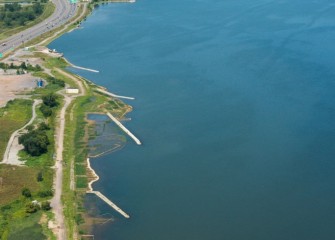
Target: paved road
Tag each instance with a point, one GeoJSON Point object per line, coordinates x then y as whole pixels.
{"type": "Point", "coordinates": [63, 12]}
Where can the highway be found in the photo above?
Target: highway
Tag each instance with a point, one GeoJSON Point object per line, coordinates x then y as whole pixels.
{"type": "Point", "coordinates": [64, 11]}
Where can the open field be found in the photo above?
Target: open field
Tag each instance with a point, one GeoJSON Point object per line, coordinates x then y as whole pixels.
{"type": "Point", "coordinates": [12, 117]}
{"type": "Point", "coordinates": [14, 179]}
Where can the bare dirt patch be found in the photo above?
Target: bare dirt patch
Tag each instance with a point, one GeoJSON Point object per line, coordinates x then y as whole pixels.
{"type": "Point", "coordinates": [15, 86]}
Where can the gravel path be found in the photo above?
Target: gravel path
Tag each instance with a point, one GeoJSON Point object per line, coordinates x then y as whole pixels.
{"type": "Point", "coordinates": [13, 146]}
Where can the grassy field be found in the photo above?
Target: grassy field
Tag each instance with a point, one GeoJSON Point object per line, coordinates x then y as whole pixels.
{"type": "Point", "coordinates": [12, 117]}
{"type": "Point", "coordinates": [14, 179]}
{"type": "Point", "coordinates": [5, 32]}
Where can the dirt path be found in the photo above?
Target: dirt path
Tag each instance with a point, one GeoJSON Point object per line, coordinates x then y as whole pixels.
{"type": "Point", "coordinates": [13, 146]}
{"type": "Point", "coordinates": [79, 82]}
{"type": "Point", "coordinates": [56, 202]}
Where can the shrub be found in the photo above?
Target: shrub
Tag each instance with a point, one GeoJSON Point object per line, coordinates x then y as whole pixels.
{"type": "Point", "coordinates": [32, 208]}
{"type": "Point", "coordinates": [26, 192]}
{"type": "Point", "coordinates": [46, 110]}
{"type": "Point", "coordinates": [45, 193]}
{"type": "Point", "coordinates": [50, 100]}
{"type": "Point", "coordinates": [46, 206]}
{"type": "Point", "coordinates": [39, 177]}
{"type": "Point", "coordinates": [35, 142]}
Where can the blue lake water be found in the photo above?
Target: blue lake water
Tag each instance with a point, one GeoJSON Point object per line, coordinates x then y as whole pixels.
{"type": "Point", "coordinates": [235, 107]}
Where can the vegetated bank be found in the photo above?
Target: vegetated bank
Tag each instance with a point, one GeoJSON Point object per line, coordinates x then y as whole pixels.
{"type": "Point", "coordinates": [39, 150]}
{"type": "Point", "coordinates": [24, 213]}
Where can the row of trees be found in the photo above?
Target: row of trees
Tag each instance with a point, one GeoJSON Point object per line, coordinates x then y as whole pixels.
{"type": "Point", "coordinates": [22, 66]}
{"type": "Point", "coordinates": [13, 14]}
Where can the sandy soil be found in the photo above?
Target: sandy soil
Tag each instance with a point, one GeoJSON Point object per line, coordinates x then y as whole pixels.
{"type": "Point", "coordinates": [14, 86]}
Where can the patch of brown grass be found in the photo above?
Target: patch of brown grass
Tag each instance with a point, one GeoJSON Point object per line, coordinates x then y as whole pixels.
{"type": "Point", "coordinates": [13, 180]}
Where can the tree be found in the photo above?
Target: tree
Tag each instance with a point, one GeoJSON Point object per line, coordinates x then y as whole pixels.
{"type": "Point", "coordinates": [35, 142]}
{"type": "Point", "coordinates": [46, 110]}
{"type": "Point", "coordinates": [37, 7]}
{"type": "Point", "coordinates": [45, 193]}
{"type": "Point", "coordinates": [50, 100]}
{"type": "Point", "coordinates": [39, 177]}
{"type": "Point", "coordinates": [46, 206]}
{"type": "Point", "coordinates": [26, 192]}
{"type": "Point", "coordinates": [43, 126]}
{"type": "Point", "coordinates": [23, 65]}
{"type": "Point", "coordinates": [32, 208]}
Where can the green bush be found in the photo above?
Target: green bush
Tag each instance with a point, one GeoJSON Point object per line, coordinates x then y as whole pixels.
{"type": "Point", "coordinates": [35, 142]}
{"type": "Point", "coordinates": [46, 110]}
{"type": "Point", "coordinates": [26, 192]}
{"type": "Point", "coordinates": [46, 206]}
{"type": "Point", "coordinates": [45, 193]}
{"type": "Point", "coordinates": [32, 208]}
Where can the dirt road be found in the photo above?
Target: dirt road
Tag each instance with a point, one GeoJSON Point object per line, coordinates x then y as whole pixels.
{"type": "Point", "coordinates": [56, 202]}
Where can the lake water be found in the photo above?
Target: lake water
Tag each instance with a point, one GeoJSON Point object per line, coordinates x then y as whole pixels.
{"type": "Point", "coordinates": [235, 107]}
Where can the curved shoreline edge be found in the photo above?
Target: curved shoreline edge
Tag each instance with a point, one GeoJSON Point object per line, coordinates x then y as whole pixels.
{"type": "Point", "coordinates": [99, 194]}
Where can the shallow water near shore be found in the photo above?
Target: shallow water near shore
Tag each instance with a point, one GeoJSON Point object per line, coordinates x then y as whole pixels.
{"type": "Point", "coordinates": [235, 107]}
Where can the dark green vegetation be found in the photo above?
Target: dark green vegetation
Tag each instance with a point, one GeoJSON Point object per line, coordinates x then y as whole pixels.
{"type": "Point", "coordinates": [49, 104]}
{"type": "Point", "coordinates": [21, 68]}
{"type": "Point", "coordinates": [35, 141]}
{"type": "Point", "coordinates": [12, 117]}
{"type": "Point", "coordinates": [14, 14]}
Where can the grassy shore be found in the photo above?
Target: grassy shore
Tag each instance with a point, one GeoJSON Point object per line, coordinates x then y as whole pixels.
{"type": "Point", "coordinates": [14, 221]}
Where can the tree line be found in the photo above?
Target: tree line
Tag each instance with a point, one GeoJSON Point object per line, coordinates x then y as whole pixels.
{"type": "Point", "coordinates": [14, 14]}
{"type": "Point", "coordinates": [20, 68]}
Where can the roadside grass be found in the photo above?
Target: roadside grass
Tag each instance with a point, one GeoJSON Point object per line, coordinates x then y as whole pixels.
{"type": "Point", "coordinates": [49, 8]}
{"type": "Point", "coordinates": [50, 35]}
{"type": "Point", "coordinates": [12, 117]}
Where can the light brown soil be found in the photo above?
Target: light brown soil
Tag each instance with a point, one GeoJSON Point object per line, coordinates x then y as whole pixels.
{"type": "Point", "coordinates": [15, 86]}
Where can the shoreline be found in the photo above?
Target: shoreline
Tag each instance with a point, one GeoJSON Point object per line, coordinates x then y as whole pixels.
{"type": "Point", "coordinates": [99, 194]}
{"type": "Point", "coordinates": [67, 230]}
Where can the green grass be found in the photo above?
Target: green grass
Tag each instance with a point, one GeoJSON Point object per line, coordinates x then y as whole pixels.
{"type": "Point", "coordinates": [6, 32]}
{"type": "Point", "coordinates": [12, 117]}
{"type": "Point", "coordinates": [31, 231]}
{"type": "Point", "coordinates": [80, 169]}
{"type": "Point", "coordinates": [81, 182]}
